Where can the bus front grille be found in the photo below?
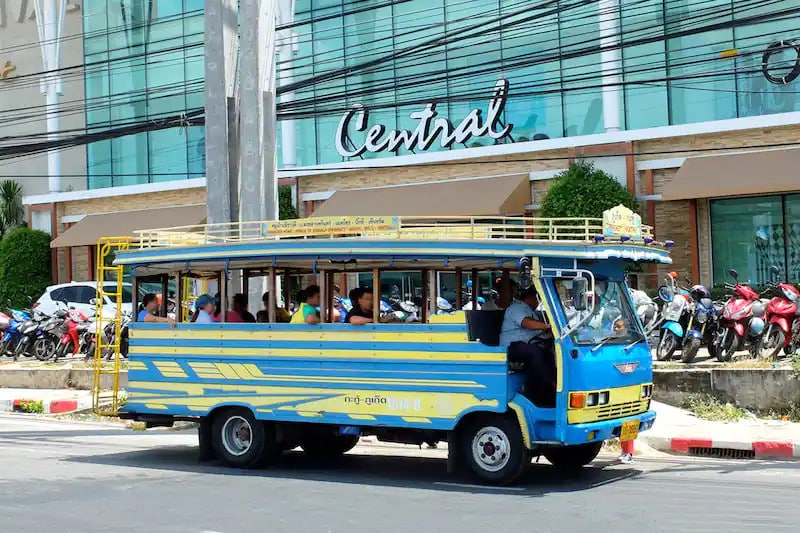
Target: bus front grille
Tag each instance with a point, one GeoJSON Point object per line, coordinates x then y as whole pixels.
{"type": "Point", "coordinates": [621, 410]}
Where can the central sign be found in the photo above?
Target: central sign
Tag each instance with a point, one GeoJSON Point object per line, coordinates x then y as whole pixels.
{"type": "Point", "coordinates": [431, 126]}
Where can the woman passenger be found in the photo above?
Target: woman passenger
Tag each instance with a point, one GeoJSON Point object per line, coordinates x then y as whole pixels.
{"type": "Point", "coordinates": [307, 313]}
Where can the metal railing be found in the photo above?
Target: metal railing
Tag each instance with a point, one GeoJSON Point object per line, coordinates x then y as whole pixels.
{"type": "Point", "coordinates": [411, 228]}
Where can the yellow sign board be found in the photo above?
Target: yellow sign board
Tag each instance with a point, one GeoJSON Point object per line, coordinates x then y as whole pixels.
{"type": "Point", "coordinates": [329, 226]}
{"type": "Point", "coordinates": [620, 221]}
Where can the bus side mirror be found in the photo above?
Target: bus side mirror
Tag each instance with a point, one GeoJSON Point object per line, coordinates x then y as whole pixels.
{"type": "Point", "coordinates": [580, 294]}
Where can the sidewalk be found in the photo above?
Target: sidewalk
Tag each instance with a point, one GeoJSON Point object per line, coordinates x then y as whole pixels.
{"type": "Point", "coordinates": [52, 401]}
{"type": "Point", "coordinates": [676, 431]}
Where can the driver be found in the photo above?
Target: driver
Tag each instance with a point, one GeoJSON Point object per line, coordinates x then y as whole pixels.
{"type": "Point", "coordinates": [526, 334]}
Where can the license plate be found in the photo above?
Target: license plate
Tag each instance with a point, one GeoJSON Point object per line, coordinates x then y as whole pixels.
{"type": "Point", "coordinates": [630, 430]}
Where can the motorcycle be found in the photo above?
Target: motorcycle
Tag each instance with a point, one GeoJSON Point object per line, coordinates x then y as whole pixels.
{"type": "Point", "coordinates": [742, 321]}
{"type": "Point", "coordinates": [47, 341]}
{"type": "Point", "coordinates": [29, 331]}
{"type": "Point", "coordinates": [71, 334]}
{"type": "Point", "coordinates": [783, 322]}
{"type": "Point", "coordinates": [674, 317]}
{"type": "Point", "coordinates": [646, 309]}
{"type": "Point", "coordinates": [109, 333]}
{"type": "Point", "coordinates": [12, 335]}
{"type": "Point", "coordinates": [701, 325]}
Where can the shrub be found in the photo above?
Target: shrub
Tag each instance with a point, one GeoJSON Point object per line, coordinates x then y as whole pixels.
{"type": "Point", "coordinates": [31, 406]}
{"type": "Point", "coordinates": [24, 266]}
{"type": "Point", "coordinates": [584, 191]}
{"type": "Point", "coordinates": [286, 209]}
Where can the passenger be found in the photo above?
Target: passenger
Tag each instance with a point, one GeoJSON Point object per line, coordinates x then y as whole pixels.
{"type": "Point", "coordinates": [282, 316]}
{"type": "Point", "coordinates": [524, 331]}
{"type": "Point", "coordinates": [203, 309]}
{"type": "Point", "coordinates": [240, 307]}
{"type": "Point", "coordinates": [363, 302]}
{"type": "Point", "coordinates": [148, 311]}
{"type": "Point", "coordinates": [307, 313]}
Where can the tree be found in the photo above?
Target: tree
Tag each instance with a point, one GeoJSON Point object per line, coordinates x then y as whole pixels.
{"type": "Point", "coordinates": [286, 209]}
{"type": "Point", "coordinates": [583, 191]}
{"type": "Point", "coordinates": [24, 266]}
{"type": "Point", "coordinates": [11, 211]}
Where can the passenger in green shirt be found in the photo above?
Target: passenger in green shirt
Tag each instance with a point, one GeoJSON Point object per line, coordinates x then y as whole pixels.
{"type": "Point", "coordinates": [307, 313]}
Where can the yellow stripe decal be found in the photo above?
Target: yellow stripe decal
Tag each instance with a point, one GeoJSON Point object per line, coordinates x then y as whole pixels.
{"type": "Point", "coordinates": [420, 419]}
{"type": "Point", "coordinates": [362, 417]}
{"type": "Point", "coordinates": [523, 424]}
{"type": "Point", "coordinates": [321, 336]}
{"type": "Point", "coordinates": [321, 353]}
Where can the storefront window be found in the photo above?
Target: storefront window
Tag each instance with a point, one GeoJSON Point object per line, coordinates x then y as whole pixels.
{"type": "Point", "coordinates": [747, 234]}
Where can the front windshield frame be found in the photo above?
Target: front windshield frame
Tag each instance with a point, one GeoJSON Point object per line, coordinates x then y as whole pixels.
{"type": "Point", "coordinates": [612, 321]}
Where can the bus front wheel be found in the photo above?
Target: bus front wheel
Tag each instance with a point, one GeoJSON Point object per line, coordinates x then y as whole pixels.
{"type": "Point", "coordinates": [573, 457]}
{"type": "Point", "coordinates": [242, 441]}
{"type": "Point", "coordinates": [493, 447]}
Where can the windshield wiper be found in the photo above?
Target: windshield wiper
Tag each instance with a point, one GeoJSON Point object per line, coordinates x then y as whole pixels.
{"type": "Point", "coordinates": [634, 343]}
{"type": "Point", "coordinates": [603, 341]}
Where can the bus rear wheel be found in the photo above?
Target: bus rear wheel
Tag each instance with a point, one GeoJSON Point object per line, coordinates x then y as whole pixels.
{"type": "Point", "coordinates": [573, 457]}
{"type": "Point", "coordinates": [493, 447]}
{"type": "Point", "coordinates": [242, 441]}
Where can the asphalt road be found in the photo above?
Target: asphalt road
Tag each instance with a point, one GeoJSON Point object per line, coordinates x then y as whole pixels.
{"type": "Point", "coordinates": [93, 478]}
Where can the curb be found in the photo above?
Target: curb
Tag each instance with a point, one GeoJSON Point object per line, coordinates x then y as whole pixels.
{"type": "Point", "coordinates": [762, 449]}
{"type": "Point", "coordinates": [51, 407]}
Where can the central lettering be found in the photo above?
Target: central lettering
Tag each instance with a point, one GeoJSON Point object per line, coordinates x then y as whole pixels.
{"type": "Point", "coordinates": [430, 128]}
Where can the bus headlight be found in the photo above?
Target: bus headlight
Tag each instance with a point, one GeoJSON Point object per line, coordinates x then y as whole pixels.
{"type": "Point", "coordinates": [604, 398]}
{"type": "Point", "coordinates": [592, 399]}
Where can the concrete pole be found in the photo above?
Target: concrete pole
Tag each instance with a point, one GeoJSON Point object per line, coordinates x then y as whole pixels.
{"type": "Point", "coordinates": [268, 19]}
{"type": "Point", "coordinates": [50, 26]}
{"type": "Point", "coordinates": [286, 51]}
{"type": "Point", "coordinates": [220, 46]}
{"type": "Point", "coordinates": [611, 64]}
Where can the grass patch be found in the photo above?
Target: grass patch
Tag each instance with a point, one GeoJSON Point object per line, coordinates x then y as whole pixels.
{"type": "Point", "coordinates": [708, 407]}
{"type": "Point", "coordinates": [31, 406]}
{"type": "Point", "coordinates": [787, 414]}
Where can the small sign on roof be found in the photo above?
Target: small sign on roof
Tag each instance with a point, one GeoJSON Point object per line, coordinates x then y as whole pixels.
{"type": "Point", "coordinates": [619, 221]}
{"type": "Point", "coordinates": [329, 226]}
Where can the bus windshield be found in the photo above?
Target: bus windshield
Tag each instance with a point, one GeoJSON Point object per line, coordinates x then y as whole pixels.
{"type": "Point", "coordinates": [613, 320]}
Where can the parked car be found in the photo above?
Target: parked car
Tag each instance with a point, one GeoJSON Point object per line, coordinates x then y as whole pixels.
{"type": "Point", "coordinates": [79, 295]}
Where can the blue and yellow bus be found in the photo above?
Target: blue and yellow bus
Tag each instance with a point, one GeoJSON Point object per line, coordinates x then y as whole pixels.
{"type": "Point", "coordinates": [259, 389]}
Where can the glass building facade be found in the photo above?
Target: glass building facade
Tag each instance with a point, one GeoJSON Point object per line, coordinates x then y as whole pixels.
{"type": "Point", "coordinates": [144, 60]}
{"type": "Point", "coordinates": [684, 61]}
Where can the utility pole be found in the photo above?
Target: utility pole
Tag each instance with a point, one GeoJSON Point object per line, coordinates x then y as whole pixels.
{"type": "Point", "coordinates": [50, 27]}
{"type": "Point", "coordinates": [222, 158]}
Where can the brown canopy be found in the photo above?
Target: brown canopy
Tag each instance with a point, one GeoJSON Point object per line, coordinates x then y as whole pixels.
{"type": "Point", "coordinates": [736, 175]}
{"type": "Point", "coordinates": [93, 227]}
{"type": "Point", "coordinates": [503, 195]}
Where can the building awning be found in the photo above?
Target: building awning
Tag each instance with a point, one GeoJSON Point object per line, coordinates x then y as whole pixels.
{"type": "Point", "coordinates": [493, 196]}
{"type": "Point", "coordinates": [744, 174]}
{"type": "Point", "coordinates": [123, 224]}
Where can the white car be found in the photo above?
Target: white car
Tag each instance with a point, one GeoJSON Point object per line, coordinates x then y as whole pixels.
{"type": "Point", "coordinates": [80, 295]}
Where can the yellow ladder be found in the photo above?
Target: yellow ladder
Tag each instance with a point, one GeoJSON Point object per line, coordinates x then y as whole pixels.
{"type": "Point", "coordinates": [106, 249]}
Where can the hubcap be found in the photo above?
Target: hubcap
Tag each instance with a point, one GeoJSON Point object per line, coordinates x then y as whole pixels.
{"type": "Point", "coordinates": [237, 436]}
{"type": "Point", "coordinates": [491, 449]}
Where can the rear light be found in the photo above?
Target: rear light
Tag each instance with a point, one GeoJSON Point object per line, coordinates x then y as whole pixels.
{"type": "Point", "coordinates": [36, 305]}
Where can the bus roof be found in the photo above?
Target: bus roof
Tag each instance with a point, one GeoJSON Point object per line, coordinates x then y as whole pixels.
{"type": "Point", "coordinates": [416, 242]}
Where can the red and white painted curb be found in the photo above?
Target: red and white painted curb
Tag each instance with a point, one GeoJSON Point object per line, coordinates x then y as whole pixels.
{"type": "Point", "coordinates": [49, 407]}
{"type": "Point", "coordinates": [762, 449]}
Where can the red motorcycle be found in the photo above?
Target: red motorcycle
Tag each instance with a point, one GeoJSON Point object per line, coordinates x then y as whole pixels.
{"type": "Point", "coordinates": [742, 321]}
{"type": "Point", "coordinates": [75, 325]}
{"type": "Point", "coordinates": [783, 322]}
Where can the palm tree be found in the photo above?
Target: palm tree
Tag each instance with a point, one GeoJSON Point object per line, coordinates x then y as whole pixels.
{"type": "Point", "coordinates": [11, 211]}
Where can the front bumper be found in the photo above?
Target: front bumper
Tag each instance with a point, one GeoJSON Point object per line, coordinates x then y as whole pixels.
{"type": "Point", "coordinates": [607, 429]}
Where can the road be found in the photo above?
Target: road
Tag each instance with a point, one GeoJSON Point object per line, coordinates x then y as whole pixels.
{"type": "Point", "coordinates": [99, 478]}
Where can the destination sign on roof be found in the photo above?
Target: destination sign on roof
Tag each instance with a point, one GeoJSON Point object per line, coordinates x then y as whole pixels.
{"type": "Point", "coordinates": [620, 221]}
{"type": "Point", "coordinates": [329, 226]}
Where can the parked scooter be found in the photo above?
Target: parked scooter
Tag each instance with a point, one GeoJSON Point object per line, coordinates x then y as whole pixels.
{"type": "Point", "coordinates": [742, 321]}
{"type": "Point", "coordinates": [675, 317]}
{"type": "Point", "coordinates": [108, 337]}
{"type": "Point", "coordinates": [12, 335]}
{"type": "Point", "coordinates": [29, 331]}
{"type": "Point", "coordinates": [646, 309]}
{"type": "Point", "coordinates": [72, 333]}
{"type": "Point", "coordinates": [47, 341]}
{"type": "Point", "coordinates": [701, 325]}
{"type": "Point", "coordinates": [783, 322]}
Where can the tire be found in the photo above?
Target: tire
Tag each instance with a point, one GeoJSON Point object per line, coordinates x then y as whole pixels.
{"type": "Point", "coordinates": [573, 457]}
{"type": "Point", "coordinates": [328, 446]}
{"type": "Point", "coordinates": [61, 350]}
{"type": "Point", "coordinates": [242, 441]}
{"type": "Point", "coordinates": [732, 344]}
{"type": "Point", "coordinates": [770, 344]}
{"type": "Point", "coordinates": [493, 448]}
{"type": "Point", "coordinates": [667, 345]}
{"type": "Point", "coordinates": [43, 349]}
{"type": "Point", "coordinates": [21, 347]}
{"type": "Point", "coordinates": [689, 349]}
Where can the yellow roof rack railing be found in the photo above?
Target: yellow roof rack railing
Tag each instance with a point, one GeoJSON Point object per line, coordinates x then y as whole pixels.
{"type": "Point", "coordinates": [372, 227]}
